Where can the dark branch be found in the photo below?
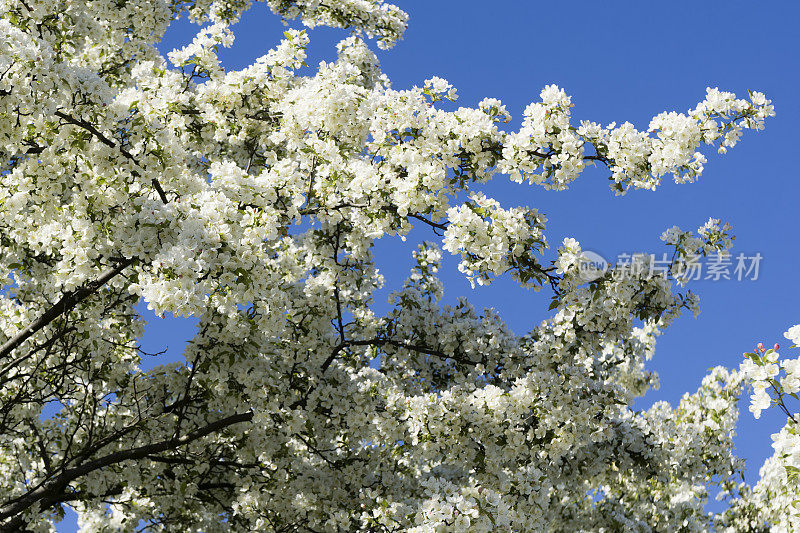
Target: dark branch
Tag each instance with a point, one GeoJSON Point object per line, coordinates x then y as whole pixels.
{"type": "Point", "coordinates": [65, 304]}
{"type": "Point", "coordinates": [53, 491]}
{"type": "Point", "coordinates": [108, 142]}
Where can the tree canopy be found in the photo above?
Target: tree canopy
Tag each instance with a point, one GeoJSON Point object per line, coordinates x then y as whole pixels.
{"type": "Point", "coordinates": [251, 200]}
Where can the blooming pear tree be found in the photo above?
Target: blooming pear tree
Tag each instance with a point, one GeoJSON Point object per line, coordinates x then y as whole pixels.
{"type": "Point", "coordinates": [251, 200]}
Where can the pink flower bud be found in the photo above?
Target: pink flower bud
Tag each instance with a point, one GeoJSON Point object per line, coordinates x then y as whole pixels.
{"type": "Point", "coordinates": [760, 346]}
{"type": "Point", "coordinates": [776, 347]}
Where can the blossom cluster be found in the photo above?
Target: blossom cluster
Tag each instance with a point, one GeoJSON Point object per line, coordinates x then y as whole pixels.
{"type": "Point", "coordinates": [492, 240]}
{"type": "Point", "coordinates": [550, 151]}
{"type": "Point", "coordinates": [775, 382]}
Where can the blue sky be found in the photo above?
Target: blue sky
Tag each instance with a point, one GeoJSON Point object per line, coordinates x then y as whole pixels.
{"type": "Point", "coordinates": [619, 61]}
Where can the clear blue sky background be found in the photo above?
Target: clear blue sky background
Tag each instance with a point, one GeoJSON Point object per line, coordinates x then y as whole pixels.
{"type": "Point", "coordinates": [619, 61]}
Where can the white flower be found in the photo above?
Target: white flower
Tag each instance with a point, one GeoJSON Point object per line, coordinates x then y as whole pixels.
{"type": "Point", "coordinates": [793, 334]}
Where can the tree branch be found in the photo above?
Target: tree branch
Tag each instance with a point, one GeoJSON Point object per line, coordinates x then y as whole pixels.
{"type": "Point", "coordinates": [108, 142]}
{"type": "Point", "coordinates": [387, 342]}
{"type": "Point", "coordinates": [53, 490]}
{"type": "Point", "coordinates": [65, 304]}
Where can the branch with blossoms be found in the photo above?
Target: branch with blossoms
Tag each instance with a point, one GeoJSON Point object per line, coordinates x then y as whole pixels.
{"type": "Point", "coordinates": [766, 374]}
{"type": "Point", "coordinates": [54, 489]}
{"type": "Point", "coordinates": [67, 302]}
{"type": "Point", "coordinates": [73, 298]}
{"type": "Point", "coordinates": [108, 444]}
{"type": "Point", "coordinates": [774, 380]}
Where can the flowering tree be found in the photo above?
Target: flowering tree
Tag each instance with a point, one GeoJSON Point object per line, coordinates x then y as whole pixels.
{"type": "Point", "coordinates": [251, 199]}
